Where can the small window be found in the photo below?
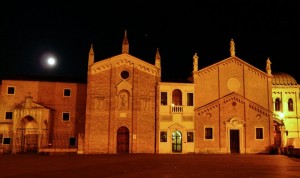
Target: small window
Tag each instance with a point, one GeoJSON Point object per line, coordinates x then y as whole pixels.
{"type": "Point", "coordinates": [72, 141]}
{"type": "Point", "coordinates": [66, 116]}
{"type": "Point", "coordinates": [163, 136]}
{"type": "Point", "coordinates": [190, 99]}
{"type": "Point", "coordinates": [125, 74]}
{"type": "Point", "coordinates": [190, 137]}
{"type": "Point", "coordinates": [1, 137]}
{"type": "Point", "coordinates": [164, 98]}
{"type": "Point", "coordinates": [277, 104]}
{"type": "Point", "coordinates": [6, 141]}
{"type": "Point", "coordinates": [208, 133]}
{"type": "Point", "coordinates": [291, 105]}
{"type": "Point", "coordinates": [10, 90]}
{"type": "Point", "coordinates": [259, 133]}
{"type": "Point", "coordinates": [67, 92]}
{"type": "Point", "coordinates": [9, 115]}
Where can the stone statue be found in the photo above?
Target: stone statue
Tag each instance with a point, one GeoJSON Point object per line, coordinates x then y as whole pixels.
{"type": "Point", "coordinates": [232, 48]}
{"type": "Point", "coordinates": [268, 66]}
{"type": "Point", "coordinates": [123, 100]}
{"type": "Point", "coordinates": [195, 57]}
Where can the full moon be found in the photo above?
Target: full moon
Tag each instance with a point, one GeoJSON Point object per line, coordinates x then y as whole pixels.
{"type": "Point", "coordinates": [51, 61]}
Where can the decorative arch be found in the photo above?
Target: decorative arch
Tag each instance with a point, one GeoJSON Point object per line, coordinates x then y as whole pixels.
{"type": "Point", "coordinates": [27, 135]}
{"type": "Point", "coordinates": [31, 126]}
{"type": "Point", "coordinates": [27, 122]}
{"type": "Point", "coordinates": [235, 135]}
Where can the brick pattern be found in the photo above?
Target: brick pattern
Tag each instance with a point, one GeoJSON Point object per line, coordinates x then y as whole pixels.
{"type": "Point", "coordinates": [50, 96]}
{"type": "Point", "coordinates": [113, 102]}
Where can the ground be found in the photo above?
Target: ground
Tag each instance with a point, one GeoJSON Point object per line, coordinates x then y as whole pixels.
{"type": "Point", "coordinates": [149, 165]}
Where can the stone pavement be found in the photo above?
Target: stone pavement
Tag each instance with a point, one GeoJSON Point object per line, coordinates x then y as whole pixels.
{"type": "Point", "coordinates": [149, 165]}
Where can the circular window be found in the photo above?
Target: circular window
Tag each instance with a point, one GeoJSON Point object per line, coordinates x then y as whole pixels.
{"type": "Point", "coordinates": [124, 74]}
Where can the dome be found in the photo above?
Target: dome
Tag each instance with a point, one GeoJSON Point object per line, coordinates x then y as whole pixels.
{"type": "Point", "coordinates": [283, 79]}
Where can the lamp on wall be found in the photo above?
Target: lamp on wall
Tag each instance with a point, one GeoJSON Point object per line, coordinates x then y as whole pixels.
{"type": "Point", "coordinates": [281, 115]}
{"type": "Point", "coordinates": [282, 118]}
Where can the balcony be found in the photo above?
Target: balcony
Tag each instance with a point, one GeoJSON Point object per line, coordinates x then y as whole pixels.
{"type": "Point", "coordinates": [176, 109]}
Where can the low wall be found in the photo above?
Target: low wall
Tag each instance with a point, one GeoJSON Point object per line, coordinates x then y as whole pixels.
{"type": "Point", "coordinates": [291, 151]}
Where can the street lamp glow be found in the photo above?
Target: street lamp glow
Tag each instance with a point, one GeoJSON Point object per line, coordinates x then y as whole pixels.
{"type": "Point", "coordinates": [281, 115]}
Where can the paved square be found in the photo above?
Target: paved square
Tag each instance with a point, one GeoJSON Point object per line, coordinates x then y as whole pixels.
{"type": "Point", "coordinates": [149, 165]}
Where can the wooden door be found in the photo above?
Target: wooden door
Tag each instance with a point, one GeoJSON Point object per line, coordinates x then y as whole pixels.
{"type": "Point", "coordinates": [123, 140]}
{"type": "Point", "coordinates": [234, 141]}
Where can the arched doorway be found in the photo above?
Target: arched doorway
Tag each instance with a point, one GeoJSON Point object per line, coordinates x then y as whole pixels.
{"type": "Point", "coordinates": [277, 128]}
{"type": "Point", "coordinates": [27, 135]}
{"type": "Point", "coordinates": [123, 140]}
{"type": "Point", "coordinates": [176, 141]}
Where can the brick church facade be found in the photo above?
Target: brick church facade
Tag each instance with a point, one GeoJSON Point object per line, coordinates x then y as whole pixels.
{"type": "Point", "coordinates": [121, 103]}
{"type": "Point", "coordinates": [124, 107]}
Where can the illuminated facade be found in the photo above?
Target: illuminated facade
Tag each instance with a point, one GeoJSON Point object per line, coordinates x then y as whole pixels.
{"type": "Point", "coordinates": [121, 107]}
{"type": "Point", "coordinates": [285, 96]}
{"type": "Point", "coordinates": [124, 107]}
{"type": "Point", "coordinates": [41, 114]}
{"type": "Point", "coordinates": [176, 118]}
{"type": "Point", "coordinates": [230, 115]}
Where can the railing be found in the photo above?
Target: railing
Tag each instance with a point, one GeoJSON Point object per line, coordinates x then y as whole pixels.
{"type": "Point", "coordinates": [176, 109]}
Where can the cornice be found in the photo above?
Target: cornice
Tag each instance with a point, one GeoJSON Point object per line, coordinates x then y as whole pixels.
{"type": "Point", "coordinates": [124, 59]}
{"type": "Point", "coordinates": [233, 97]}
{"type": "Point", "coordinates": [228, 61]}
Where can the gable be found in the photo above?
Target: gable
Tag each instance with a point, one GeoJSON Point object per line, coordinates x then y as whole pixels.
{"type": "Point", "coordinates": [176, 126]}
{"type": "Point", "coordinates": [202, 110]}
{"type": "Point", "coordinates": [228, 61]}
{"type": "Point", "coordinates": [29, 104]}
{"type": "Point", "coordinates": [127, 60]}
{"type": "Point", "coordinates": [232, 75]}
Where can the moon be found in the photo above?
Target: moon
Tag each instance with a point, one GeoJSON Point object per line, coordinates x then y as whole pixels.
{"type": "Point", "coordinates": [51, 61]}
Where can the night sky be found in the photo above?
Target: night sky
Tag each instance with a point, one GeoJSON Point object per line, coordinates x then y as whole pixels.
{"type": "Point", "coordinates": [32, 29]}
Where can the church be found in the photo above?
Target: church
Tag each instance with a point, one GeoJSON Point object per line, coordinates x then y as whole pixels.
{"type": "Point", "coordinates": [124, 107]}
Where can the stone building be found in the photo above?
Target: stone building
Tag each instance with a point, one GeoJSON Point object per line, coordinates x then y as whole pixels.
{"type": "Point", "coordinates": [285, 97]}
{"type": "Point", "coordinates": [124, 107]}
{"type": "Point", "coordinates": [176, 118]}
{"type": "Point", "coordinates": [41, 114]}
{"type": "Point", "coordinates": [121, 112]}
{"type": "Point", "coordinates": [230, 115]}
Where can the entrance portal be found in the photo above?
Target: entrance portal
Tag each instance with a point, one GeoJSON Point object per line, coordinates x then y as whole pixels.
{"type": "Point", "coordinates": [176, 141]}
{"type": "Point", "coordinates": [234, 141]}
{"type": "Point", "coordinates": [123, 140]}
{"type": "Point", "coordinates": [27, 136]}
{"type": "Point", "coordinates": [277, 134]}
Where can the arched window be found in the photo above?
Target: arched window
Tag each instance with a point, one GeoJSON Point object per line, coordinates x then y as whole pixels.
{"type": "Point", "coordinates": [177, 97]}
{"type": "Point", "coordinates": [277, 104]}
{"type": "Point", "coordinates": [290, 105]}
